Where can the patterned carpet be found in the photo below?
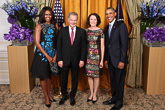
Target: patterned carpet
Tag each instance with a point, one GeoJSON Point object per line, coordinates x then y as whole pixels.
{"type": "Point", "coordinates": [134, 99]}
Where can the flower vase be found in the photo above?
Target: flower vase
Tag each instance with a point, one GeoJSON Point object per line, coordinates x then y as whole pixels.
{"type": "Point", "coordinates": [158, 44]}
{"type": "Point", "coordinates": [153, 44]}
{"type": "Point", "coordinates": [20, 43]}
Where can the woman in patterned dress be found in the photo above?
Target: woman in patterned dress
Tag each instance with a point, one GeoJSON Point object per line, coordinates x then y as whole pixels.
{"type": "Point", "coordinates": [45, 33]}
{"type": "Point", "coordinates": [95, 54]}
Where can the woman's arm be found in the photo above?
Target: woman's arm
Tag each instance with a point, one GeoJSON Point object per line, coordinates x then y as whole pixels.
{"type": "Point", "coordinates": [102, 52]}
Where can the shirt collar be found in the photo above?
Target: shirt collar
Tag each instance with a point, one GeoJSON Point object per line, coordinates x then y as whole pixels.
{"type": "Point", "coordinates": [112, 22]}
{"type": "Point", "coordinates": [73, 28]}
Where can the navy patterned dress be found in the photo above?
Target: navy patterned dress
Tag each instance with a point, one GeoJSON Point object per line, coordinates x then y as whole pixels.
{"type": "Point", "coordinates": [40, 66]}
{"type": "Point", "coordinates": [92, 66]}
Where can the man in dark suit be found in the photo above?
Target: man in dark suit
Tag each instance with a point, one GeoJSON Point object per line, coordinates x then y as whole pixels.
{"type": "Point", "coordinates": [71, 51]}
{"type": "Point", "coordinates": [116, 43]}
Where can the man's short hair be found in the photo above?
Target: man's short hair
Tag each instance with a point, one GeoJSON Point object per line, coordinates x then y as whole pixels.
{"type": "Point", "coordinates": [110, 8]}
{"type": "Point", "coordinates": [73, 13]}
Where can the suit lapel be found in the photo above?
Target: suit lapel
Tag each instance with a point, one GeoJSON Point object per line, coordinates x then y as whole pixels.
{"type": "Point", "coordinates": [76, 35]}
{"type": "Point", "coordinates": [68, 35]}
{"type": "Point", "coordinates": [113, 29]}
{"type": "Point", "coordinates": [106, 31]}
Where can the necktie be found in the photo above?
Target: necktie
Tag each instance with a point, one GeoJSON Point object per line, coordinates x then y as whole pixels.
{"type": "Point", "coordinates": [110, 26]}
{"type": "Point", "coordinates": [71, 37]}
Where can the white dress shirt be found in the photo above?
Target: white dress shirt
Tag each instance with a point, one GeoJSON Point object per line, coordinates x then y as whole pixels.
{"type": "Point", "coordinates": [112, 22]}
{"type": "Point", "coordinates": [74, 31]}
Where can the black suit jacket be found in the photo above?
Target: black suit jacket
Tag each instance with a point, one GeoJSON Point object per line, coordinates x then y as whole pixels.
{"type": "Point", "coordinates": [116, 47]}
{"type": "Point", "coordinates": [71, 54]}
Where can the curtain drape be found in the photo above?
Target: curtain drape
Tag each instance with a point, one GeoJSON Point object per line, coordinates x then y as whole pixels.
{"type": "Point", "coordinates": [134, 72]}
{"type": "Point", "coordinates": [84, 8]}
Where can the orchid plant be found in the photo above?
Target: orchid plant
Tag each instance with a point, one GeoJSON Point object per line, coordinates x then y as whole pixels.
{"type": "Point", "coordinates": [22, 10]}
{"type": "Point", "coordinates": [152, 13]}
{"type": "Point", "coordinates": [20, 33]}
{"type": "Point", "coordinates": [155, 34]}
{"type": "Point", "coordinates": [23, 13]}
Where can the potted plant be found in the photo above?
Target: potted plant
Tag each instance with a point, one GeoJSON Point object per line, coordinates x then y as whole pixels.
{"type": "Point", "coordinates": [19, 36]}
{"type": "Point", "coordinates": [155, 37]}
{"type": "Point", "coordinates": [152, 14]}
{"type": "Point", "coordinates": [22, 14]}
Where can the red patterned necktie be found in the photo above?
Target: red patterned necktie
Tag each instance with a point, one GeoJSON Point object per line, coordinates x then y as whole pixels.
{"type": "Point", "coordinates": [71, 37]}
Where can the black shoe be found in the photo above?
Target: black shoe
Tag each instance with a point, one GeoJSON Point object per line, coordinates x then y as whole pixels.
{"type": "Point", "coordinates": [62, 100]}
{"type": "Point", "coordinates": [117, 107]}
{"type": "Point", "coordinates": [88, 100]}
{"type": "Point", "coordinates": [94, 101]}
{"type": "Point", "coordinates": [53, 100]}
{"type": "Point", "coordinates": [72, 102]}
{"type": "Point", "coordinates": [48, 105]}
{"type": "Point", "coordinates": [108, 102]}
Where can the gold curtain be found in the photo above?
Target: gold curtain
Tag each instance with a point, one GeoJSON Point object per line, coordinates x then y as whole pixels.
{"type": "Point", "coordinates": [134, 73]}
{"type": "Point", "coordinates": [85, 8]}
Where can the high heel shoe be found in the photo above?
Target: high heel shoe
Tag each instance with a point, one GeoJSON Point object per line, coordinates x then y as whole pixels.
{"type": "Point", "coordinates": [94, 101]}
{"type": "Point", "coordinates": [53, 100]}
{"type": "Point", "coordinates": [48, 105]}
{"type": "Point", "coordinates": [88, 100]}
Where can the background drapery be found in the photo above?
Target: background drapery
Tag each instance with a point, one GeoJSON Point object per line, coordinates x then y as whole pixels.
{"type": "Point", "coordinates": [84, 8]}
{"type": "Point", "coordinates": [134, 73]}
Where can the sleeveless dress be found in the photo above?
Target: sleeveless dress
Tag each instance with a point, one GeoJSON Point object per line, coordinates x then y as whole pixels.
{"type": "Point", "coordinates": [93, 58]}
{"type": "Point", "coordinates": [40, 67]}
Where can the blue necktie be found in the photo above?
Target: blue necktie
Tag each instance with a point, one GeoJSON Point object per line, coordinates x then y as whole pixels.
{"type": "Point", "coordinates": [110, 26]}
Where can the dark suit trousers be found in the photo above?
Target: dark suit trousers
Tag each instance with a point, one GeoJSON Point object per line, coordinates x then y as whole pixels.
{"type": "Point", "coordinates": [117, 77]}
{"type": "Point", "coordinates": [64, 77]}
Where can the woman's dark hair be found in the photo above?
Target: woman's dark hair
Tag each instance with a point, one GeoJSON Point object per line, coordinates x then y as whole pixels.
{"type": "Point", "coordinates": [97, 17]}
{"type": "Point", "coordinates": [42, 15]}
